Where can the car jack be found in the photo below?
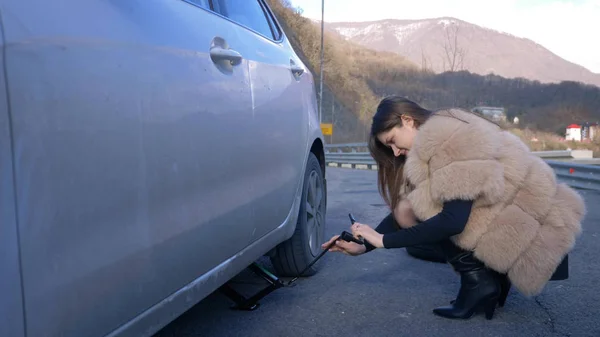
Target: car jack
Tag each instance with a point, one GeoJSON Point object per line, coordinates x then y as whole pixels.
{"type": "Point", "coordinates": [251, 303]}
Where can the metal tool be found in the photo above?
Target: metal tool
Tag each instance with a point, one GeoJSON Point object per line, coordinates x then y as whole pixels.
{"type": "Point", "coordinates": [344, 236]}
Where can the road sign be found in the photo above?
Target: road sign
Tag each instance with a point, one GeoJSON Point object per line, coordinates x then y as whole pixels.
{"type": "Point", "coordinates": [327, 129]}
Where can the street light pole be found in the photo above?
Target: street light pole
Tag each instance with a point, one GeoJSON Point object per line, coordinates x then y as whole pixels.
{"type": "Point", "coordinates": [322, 56]}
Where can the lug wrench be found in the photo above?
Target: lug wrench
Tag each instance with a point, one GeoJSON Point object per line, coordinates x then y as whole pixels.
{"type": "Point", "coordinates": [344, 236]}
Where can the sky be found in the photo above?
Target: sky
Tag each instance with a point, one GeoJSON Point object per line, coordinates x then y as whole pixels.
{"type": "Point", "coordinates": [568, 28]}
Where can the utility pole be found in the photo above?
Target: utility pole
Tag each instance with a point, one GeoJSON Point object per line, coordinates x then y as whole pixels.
{"type": "Point", "coordinates": [332, 119]}
{"type": "Point", "coordinates": [322, 56]}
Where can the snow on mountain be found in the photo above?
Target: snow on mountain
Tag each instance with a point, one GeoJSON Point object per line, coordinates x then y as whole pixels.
{"type": "Point", "coordinates": [443, 44]}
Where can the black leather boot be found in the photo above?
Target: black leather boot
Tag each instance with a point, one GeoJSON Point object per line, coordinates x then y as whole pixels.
{"type": "Point", "coordinates": [480, 288]}
{"type": "Point", "coordinates": [561, 273]}
{"type": "Point", "coordinates": [505, 285]}
{"type": "Point", "coordinates": [504, 288]}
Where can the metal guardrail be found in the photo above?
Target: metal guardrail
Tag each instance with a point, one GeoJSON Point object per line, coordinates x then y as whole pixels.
{"type": "Point", "coordinates": [580, 173]}
{"type": "Point", "coordinates": [577, 175]}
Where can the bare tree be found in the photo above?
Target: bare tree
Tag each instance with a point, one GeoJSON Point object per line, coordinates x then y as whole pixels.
{"type": "Point", "coordinates": [425, 63]}
{"type": "Point", "coordinates": [454, 55]}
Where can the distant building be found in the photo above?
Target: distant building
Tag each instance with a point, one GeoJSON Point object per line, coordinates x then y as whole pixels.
{"type": "Point", "coordinates": [497, 114]}
{"type": "Point", "coordinates": [589, 131]}
{"type": "Point", "coordinates": [573, 133]}
{"type": "Point", "coordinates": [584, 132]}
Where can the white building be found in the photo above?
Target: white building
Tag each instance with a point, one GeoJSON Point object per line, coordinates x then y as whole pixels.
{"type": "Point", "coordinates": [584, 132]}
{"type": "Point", "coordinates": [573, 133]}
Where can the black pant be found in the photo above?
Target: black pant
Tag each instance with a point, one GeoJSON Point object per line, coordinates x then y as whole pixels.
{"type": "Point", "coordinates": [444, 250]}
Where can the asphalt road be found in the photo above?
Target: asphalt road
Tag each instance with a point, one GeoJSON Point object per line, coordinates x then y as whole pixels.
{"type": "Point", "coordinates": [389, 293]}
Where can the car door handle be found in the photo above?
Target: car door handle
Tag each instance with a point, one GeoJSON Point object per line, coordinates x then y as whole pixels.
{"type": "Point", "coordinates": [220, 54]}
{"type": "Point", "coordinates": [296, 70]}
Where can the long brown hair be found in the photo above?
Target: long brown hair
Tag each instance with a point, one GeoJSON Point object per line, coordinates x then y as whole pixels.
{"type": "Point", "coordinates": [389, 167]}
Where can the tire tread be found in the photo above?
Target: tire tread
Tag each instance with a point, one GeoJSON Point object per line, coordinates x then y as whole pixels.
{"type": "Point", "coordinates": [293, 255]}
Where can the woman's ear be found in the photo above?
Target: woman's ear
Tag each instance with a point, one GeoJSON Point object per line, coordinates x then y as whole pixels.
{"type": "Point", "coordinates": [407, 121]}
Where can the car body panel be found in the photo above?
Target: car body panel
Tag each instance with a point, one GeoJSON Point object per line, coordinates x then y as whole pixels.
{"type": "Point", "coordinates": [11, 303]}
{"type": "Point", "coordinates": [115, 152]}
{"type": "Point", "coordinates": [170, 308]}
{"type": "Point", "coordinates": [282, 130]}
{"type": "Point", "coordinates": [127, 215]}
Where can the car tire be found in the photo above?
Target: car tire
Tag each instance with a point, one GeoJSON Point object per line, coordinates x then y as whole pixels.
{"type": "Point", "coordinates": [295, 254]}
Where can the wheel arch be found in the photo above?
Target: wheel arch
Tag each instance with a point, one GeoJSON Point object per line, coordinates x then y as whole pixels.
{"type": "Point", "coordinates": [318, 149]}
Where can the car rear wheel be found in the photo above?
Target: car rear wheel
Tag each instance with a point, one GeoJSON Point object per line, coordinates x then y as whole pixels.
{"type": "Point", "coordinates": [295, 254]}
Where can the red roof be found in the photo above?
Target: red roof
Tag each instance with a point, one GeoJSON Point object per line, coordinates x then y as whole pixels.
{"type": "Point", "coordinates": [573, 126]}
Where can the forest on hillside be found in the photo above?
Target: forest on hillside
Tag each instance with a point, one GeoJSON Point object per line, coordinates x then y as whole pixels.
{"type": "Point", "coordinates": [356, 78]}
{"type": "Point", "coordinates": [546, 107]}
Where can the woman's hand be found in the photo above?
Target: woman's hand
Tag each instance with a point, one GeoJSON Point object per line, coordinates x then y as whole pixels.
{"type": "Point", "coordinates": [368, 233]}
{"type": "Point", "coordinates": [348, 248]}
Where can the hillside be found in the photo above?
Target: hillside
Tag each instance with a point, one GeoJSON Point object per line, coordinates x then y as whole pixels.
{"type": "Point", "coordinates": [347, 96]}
{"type": "Point", "coordinates": [357, 77]}
{"type": "Point", "coordinates": [547, 107]}
{"type": "Point", "coordinates": [449, 44]}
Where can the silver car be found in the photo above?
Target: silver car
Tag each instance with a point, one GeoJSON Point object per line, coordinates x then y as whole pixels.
{"type": "Point", "coordinates": [150, 150]}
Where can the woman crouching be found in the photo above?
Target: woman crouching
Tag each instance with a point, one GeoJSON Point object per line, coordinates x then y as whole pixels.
{"type": "Point", "coordinates": [458, 182]}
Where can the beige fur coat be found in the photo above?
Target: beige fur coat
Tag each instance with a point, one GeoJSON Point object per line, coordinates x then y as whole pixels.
{"type": "Point", "coordinates": [523, 222]}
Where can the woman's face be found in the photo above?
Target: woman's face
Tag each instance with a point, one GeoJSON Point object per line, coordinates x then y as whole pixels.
{"type": "Point", "coordinates": [399, 138]}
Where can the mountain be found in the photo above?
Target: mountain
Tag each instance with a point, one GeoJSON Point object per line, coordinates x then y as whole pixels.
{"type": "Point", "coordinates": [449, 44]}
{"type": "Point", "coordinates": [356, 78]}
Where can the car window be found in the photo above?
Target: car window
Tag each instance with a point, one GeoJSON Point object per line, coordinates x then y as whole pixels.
{"type": "Point", "coordinates": [249, 13]}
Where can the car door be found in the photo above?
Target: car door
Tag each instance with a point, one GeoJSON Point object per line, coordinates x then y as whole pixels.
{"type": "Point", "coordinates": [129, 121]}
{"type": "Point", "coordinates": [11, 305]}
{"type": "Point", "coordinates": [280, 119]}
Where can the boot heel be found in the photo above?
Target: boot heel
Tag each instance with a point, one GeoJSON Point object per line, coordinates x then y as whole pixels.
{"type": "Point", "coordinates": [479, 288]}
{"type": "Point", "coordinates": [504, 290]}
{"type": "Point", "coordinates": [489, 307]}
{"type": "Point", "coordinates": [503, 296]}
